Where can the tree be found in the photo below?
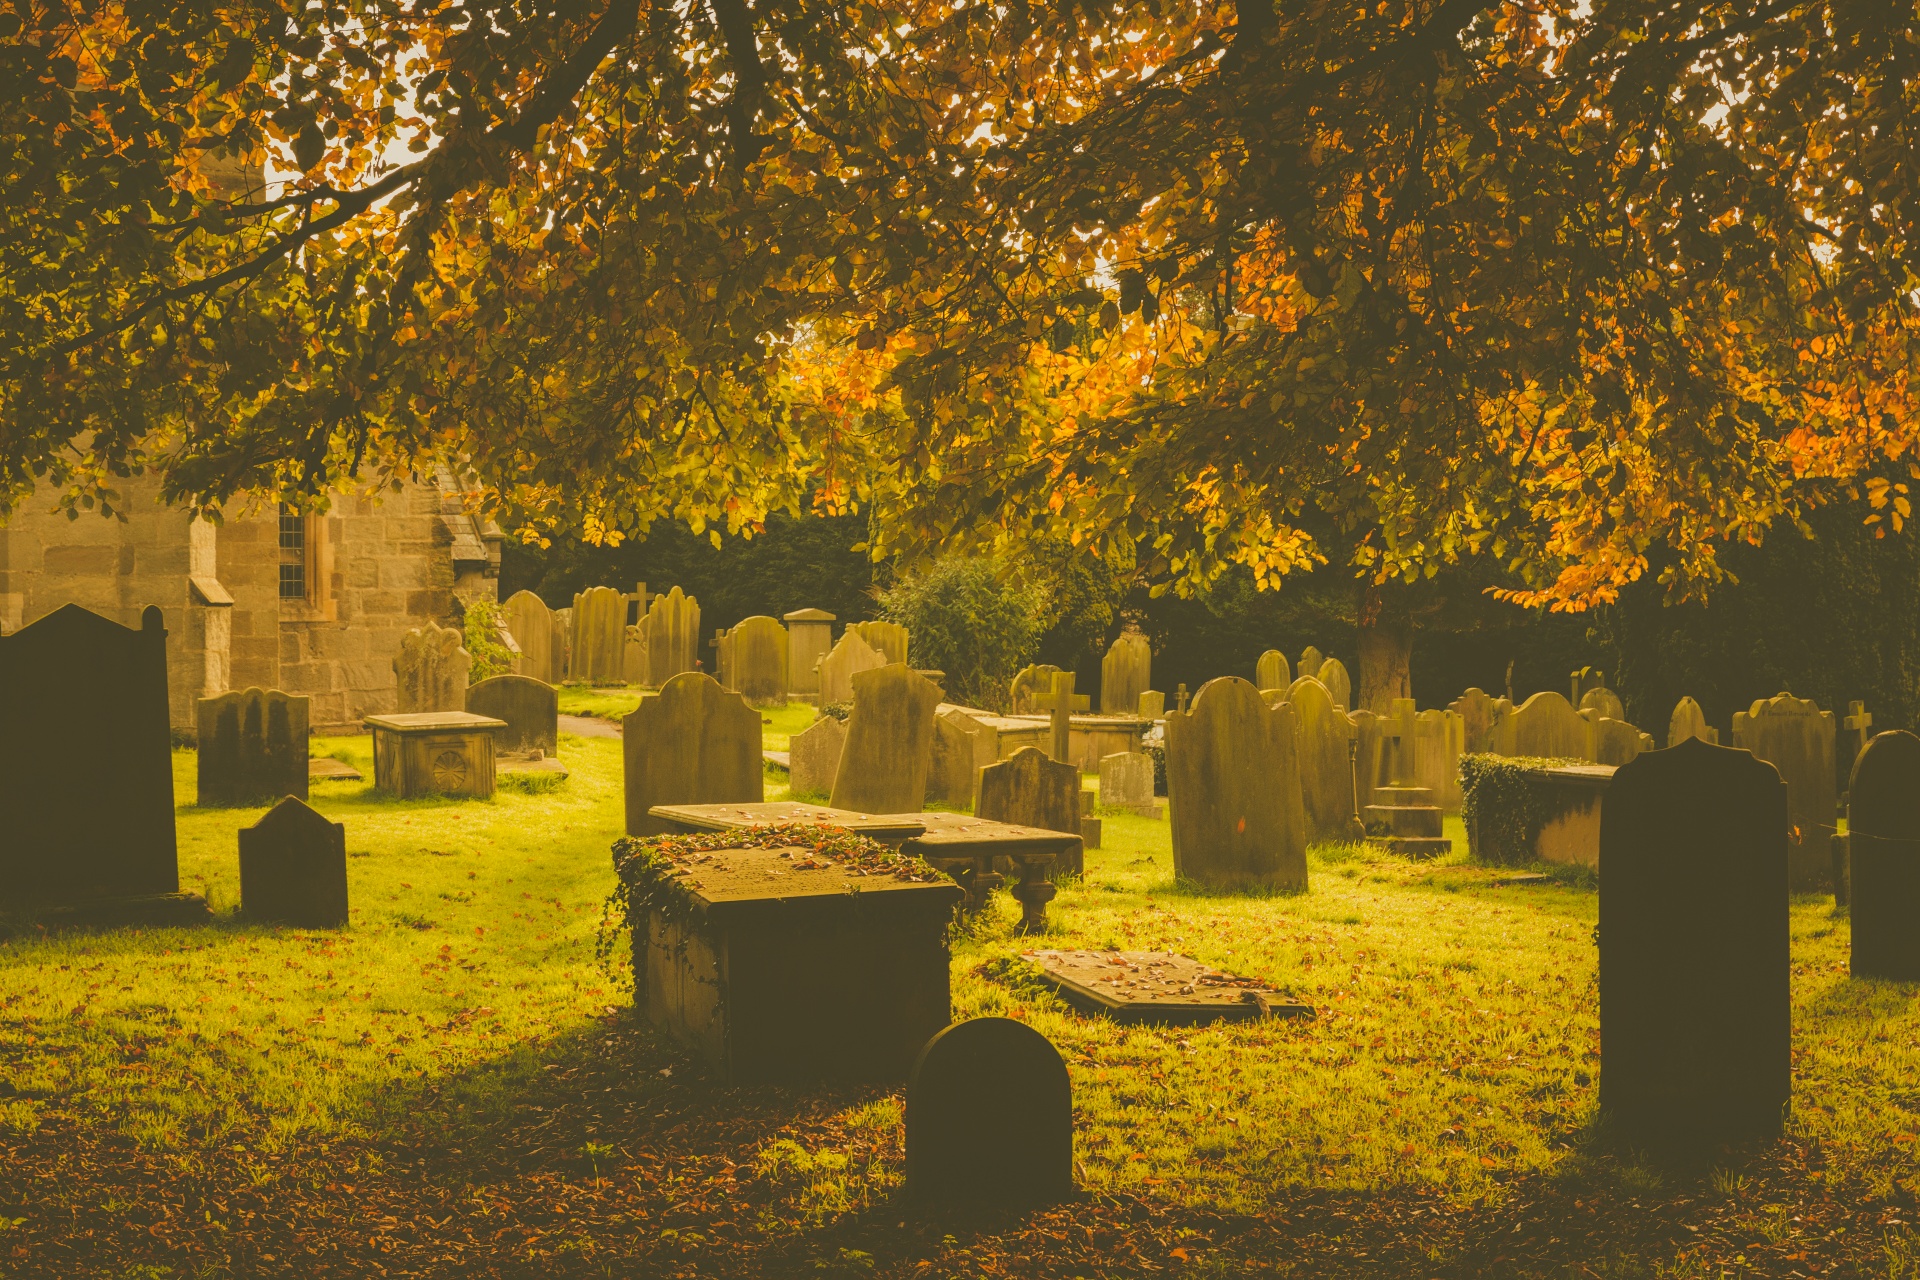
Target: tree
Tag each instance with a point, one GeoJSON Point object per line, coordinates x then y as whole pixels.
{"type": "Point", "coordinates": [966, 619]}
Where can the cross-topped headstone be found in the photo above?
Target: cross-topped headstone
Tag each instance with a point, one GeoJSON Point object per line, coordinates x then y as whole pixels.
{"type": "Point", "coordinates": [1398, 728]}
{"type": "Point", "coordinates": [1180, 697]}
{"type": "Point", "coordinates": [1060, 705]}
{"type": "Point", "coordinates": [1859, 719]}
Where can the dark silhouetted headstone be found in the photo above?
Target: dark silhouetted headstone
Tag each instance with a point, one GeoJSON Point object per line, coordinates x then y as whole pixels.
{"type": "Point", "coordinates": [293, 868]}
{"type": "Point", "coordinates": [989, 1117]}
{"type": "Point", "coordinates": [1694, 1001]}
{"type": "Point", "coordinates": [253, 747]}
{"type": "Point", "coordinates": [530, 708]}
{"type": "Point", "coordinates": [1883, 837]}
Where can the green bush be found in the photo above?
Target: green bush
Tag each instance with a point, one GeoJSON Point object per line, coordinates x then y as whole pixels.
{"type": "Point", "coordinates": [967, 619]}
{"type": "Point", "coordinates": [1504, 804]}
{"type": "Point", "coordinates": [488, 656]}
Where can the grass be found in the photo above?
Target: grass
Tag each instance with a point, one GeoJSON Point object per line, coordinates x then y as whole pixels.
{"type": "Point", "coordinates": [777, 724]}
{"type": "Point", "coordinates": [458, 1063]}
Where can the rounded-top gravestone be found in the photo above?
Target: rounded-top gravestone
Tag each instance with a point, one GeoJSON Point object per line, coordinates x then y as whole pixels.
{"type": "Point", "coordinates": [989, 1117]}
{"type": "Point", "coordinates": [1883, 838]}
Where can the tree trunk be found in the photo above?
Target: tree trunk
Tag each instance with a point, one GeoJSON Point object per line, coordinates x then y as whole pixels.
{"type": "Point", "coordinates": [1386, 648]}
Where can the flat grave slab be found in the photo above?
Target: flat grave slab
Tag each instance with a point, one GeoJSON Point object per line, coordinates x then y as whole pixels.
{"type": "Point", "coordinates": [331, 770]}
{"type": "Point", "coordinates": [1159, 987]}
{"type": "Point", "coordinates": [968, 848]}
{"type": "Point", "coordinates": [890, 828]}
{"type": "Point", "coordinates": [421, 753]}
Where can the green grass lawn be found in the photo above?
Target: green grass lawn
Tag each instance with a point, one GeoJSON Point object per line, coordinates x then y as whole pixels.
{"type": "Point", "coordinates": [778, 724]}
{"type": "Point", "coordinates": [453, 1085]}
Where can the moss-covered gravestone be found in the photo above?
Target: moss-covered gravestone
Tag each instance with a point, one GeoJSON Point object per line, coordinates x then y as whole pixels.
{"type": "Point", "coordinates": [293, 868]}
{"type": "Point", "coordinates": [952, 766]}
{"type": "Point", "coordinates": [529, 708]}
{"type": "Point", "coordinates": [1125, 673]}
{"type": "Point", "coordinates": [252, 747]}
{"type": "Point", "coordinates": [1126, 782]}
{"type": "Point", "coordinates": [989, 1118]}
{"type": "Point", "coordinates": [1883, 838]}
{"type": "Point", "coordinates": [1694, 997]}
{"type": "Point", "coordinates": [695, 743]}
{"type": "Point", "coordinates": [1029, 686]}
{"type": "Point", "coordinates": [889, 748]}
{"type": "Point", "coordinates": [888, 639]}
{"type": "Point", "coordinates": [1271, 672]}
{"type": "Point", "coordinates": [1233, 791]}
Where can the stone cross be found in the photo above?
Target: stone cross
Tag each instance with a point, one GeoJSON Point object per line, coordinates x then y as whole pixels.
{"type": "Point", "coordinates": [1398, 729]}
{"type": "Point", "coordinates": [1060, 705]}
{"type": "Point", "coordinates": [1859, 720]}
{"type": "Point", "coordinates": [1180, 697]}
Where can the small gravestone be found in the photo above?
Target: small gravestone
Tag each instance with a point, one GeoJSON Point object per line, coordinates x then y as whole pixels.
{"type": "Point", "coordinates": [1482, 721]}
{"type": "Point", "coordinates": [809, 639]}
{"type": "Point", "coordinates": [1029, 790]}
{"type": "Point", "coordinates": [989, 1118]}
{"type": "Point", "coordinates": [1796, 737]}
{"type": "Point", "coordinates": [723, 660]}
{"type": "Point", "coordinates": [694, 743]}
{"type": "Point", "coordinates": [813, 757]}
{"type": "Point", "coordinates": [430, 671]}
{"type": "Point", "coordinates": [1321, 734]}
{"type": "Point", "coordinates": [1125, 673]}
{"type": "Point", "coordinates": [1439, 738]}
{"type": "Point", "coordinates": [888, 639]}
{"type": "Point", "coordinates": [1126, 782]}
{"type": "Point", "coordinates": [636, 666]}
{"type": "Point", "coordinates": [1159, 987]}
{"type": "Point", "coordinates": [1029, 686]}
{"type": "Point", "coordinates": [532, 625]}
{"type": "Point", "coordinates": [1153, 705]}
{"type": "Point", "coordinates": [1310, 660]}
{"type": "Point", "coordinates": [293, 868]}
{"type": "Point", "coordinates": [1689, 721]}
{"type": "Point", "coordinates": [1603, 702]}
{"type": "Point", "coordinates": [1583, 682]}
{"type": "Point", "coordinates": [843, 662]}
{"type": "Point", "coordinates": [673, 636]}
{"type": "Point", "coordinates": [1370, 757]}
{"type": "Point", "coordinates": [883, 767]}
{"type": "Point", "coordinates": [1694, 969]}
{"type": "Point", "coordinates": [760, 661]}
{"type": "Point", "coordinates": [600, 636]}
{"type": "Point", "coordinates": [1883, 838]}
{"type": "Point", "coordinates": [1858, 721]}
{"type": "Point", "coordinates": [1405, 816]}
{"type": "Point", "coordinates": [1547, 725]}
{"type": "Point", "coordinates": [1333, 674]}
{"type": "Point", "coordinates": [1616, 742]}
{"type": "Point", "coordinates": [529, 708]}
{"type": "Point", "coordinates": [951, 765]}
{"type": "Point", "coordinates": [252, 748]}
{"type": "Point", "coordinates": [1270, 672]}
{"type": "Point", "coordinates": [1233, 791]}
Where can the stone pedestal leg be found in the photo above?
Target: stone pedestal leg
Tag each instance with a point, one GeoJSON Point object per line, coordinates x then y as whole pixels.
{"type": "Point", "coordinates": [1033, 893]}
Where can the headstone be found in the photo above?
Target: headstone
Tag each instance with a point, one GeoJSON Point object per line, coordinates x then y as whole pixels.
{"type": "Point", "coordinates": [293, 868]}
{"type": "Point", "coordinates": [637, 666]}
{"type": "Point", "coordinates": [951, 766]}
{"type": "Point", "coordinates": [1883, 838]}
{"type": "Point", "coordinates": [1482, 720]}
{"type": "Point", "coordinates": [982, 734]}
{"type": "Point", "coordinates": [1439, 738]}
{"type": "Point", "coordinates": [888, 639]}
{"type": "Point", "coordinates": [252, 748]}
{"type": "Point", "coordinates": [563, 643]}
{"type": "Point", "coordinates": [723, 660]}
{"type": "Point", "coordinates": [1125, 673]}
{"type": "Point", "coordinates": [1271, 672]}
{"type": "Point", "coordinates": [1547, 725]}
{"type": "Point", "coordinates": [1694, 995]}
{"type": "Point", "coordinates": [809, 639]}
{"type": "Point", "coordinates": [532, 625]}
{"type": "Point", "coordinates": [989, 1118]}
{"type": "Point", "coordinates": [1584, 681]}
{"type": "Point", "coordinates": [1333, 674]}
{"type": "Point", "coordinates": [673, 636]}
{"type": "Point", "coordinates": [530, 708]}
{"type": "Point", "coordinates": [1405, 816]}
{"type": "Point", "coordinates": [430, 671]}
{"type": "Point", "coordinates": [1060, 705]}
{"type": "Point", "coordinates": [1159, 988]}
{"type": "Point", "coordinates": [1180, 697]}
{"type": "Point", "coordinates": [813, 756]}
{"type": "Point", "coordinates": [86, 761]}
{"type": "Point", "coordinates": [600, 636]}
{"type": "Point", "coordinates": [1858, 720]}
{"type": "Point", "coordinates": [1326, 769]}
{"type": "Point", "coordinates": [1616, 741]}
{"type": "Point", "coordinates": [694, 743]}
{"type": "Point", "coordinates": [1796, 737]}
{"type": "Point", "coordinates": [1310, 660]}
{"type": "Point", "coordinates": [1689, 721]}
{"type": "Point", "coordinates": [1604, 702]}
{"type": "Point", "coordinates": [1153, 705]}
{"type": "Point", "coordinates": [1233, 791]}
{"type": "Point", "coordinates": [883, 768]}
{"type": "Point", "coordinates": [847, 659]}
{"type": "Point", "coordinates": [1371, 758]}
{"type": "Point", "coordinates": [1126, 782]}
{"type": "Point", "coordinates": [1029, 686]}
{"type": "Point", "coordinates": [760, 660]}
{"type": "Point", "coordinates": [1029, 790]}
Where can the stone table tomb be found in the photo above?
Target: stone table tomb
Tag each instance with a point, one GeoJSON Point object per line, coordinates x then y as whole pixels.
{"type": "Point", "coordinates": [434, 753]}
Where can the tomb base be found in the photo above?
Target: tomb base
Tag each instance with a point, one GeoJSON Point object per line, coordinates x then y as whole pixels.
{"type": "Point", "coordinates": [1405, 820]}
{"type": "Point", "coordinates": [1414, 846]}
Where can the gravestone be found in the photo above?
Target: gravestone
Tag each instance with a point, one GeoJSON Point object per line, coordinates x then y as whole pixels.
{"type": "Point", "coordinates": [1126, 782]}
{"type": "Point", "coordinates": [951, 765]}
{"type": "Point", "coordinates": [694, 743]}
{"type": "Point", "coordinates": [1405, 816]}
{"type": "Point", "coordinates": [989, 1118]}
{"type": "Point", "coordinates": [1310, 661]}
{"type": "Point", "coordinates": [1233, 791]}
{"type": "Point", "coordinates": [760, 660]}
{"type": "Point", "coordinates": [1796, 737]}
{"type": "Point", "coordinates": [1029, 790]}
{"type": "Point", "coordinates": [1153, 705]}
{"type": "Point", "coordinates": [813, 756]}
{"type": "Point", "coordinates": [809, 639]}
{"type": "Point", "coordinates": [563, 643]}
{"type": "Point", "coordinates": [1060, 705]}
{"type": "Point", "coordinates": [252, 748]}
{"type": "Point", "coordinates": [1333, 674]}
{"type": "Point", "coordinates": [1858, 721]}
{"type": "Point", "coordinates": [723, 660]}
{"type": "Point", "coordinates": [846, 660]}
{"type": "Point", "coordinates": [1370, 758]}
{"type": "Point", "coordinates": [1125, 673]}
{"type": "Point", "coordinates": [1270, 672]}
{"type": "Point", "coordinates": [1616, 741]}
{"type": "Point", "coordinates": [430, 671]}
{"type": "Point", "coordinates": [888, 639]}
{"type": "Point", "coordinates": [1326, 769]}
{"type": "Point", "coordinates": [1694, 998]}
{"type": "Point", "coordinates": [1883, 845]}
{"type": "Point", "coordinates": [1482, 721]}
{"type": "Point", "coordinates": [533, 626]}
{"type": "Point", "coordinates": [1584, 681]}
{"type": "Point", "coordinates": [883, 767]}
{"type": "Point", "coordinates": [1439, 738]}
{"type": "Point", "coordinates": [1603, 702]}
{"type": "Point", "coordinates": [1159, 988]}
{"type": "Point", "coordinates": [673, 637]}
{"type": "Point", "coordinates": [293, 868]}
{"type": "Point", "coordinates": [600, 636]}
{"type": "Point", "coordinates": [530, 708]}
{"type": "Point", "coordinates": [1547, 725]}
{"type": "Point", "coordinates": [86, 761]}
{"type": "Point", "coordinates": [1689, 721]}
{"type": "Point", "coordinates": [636, 664]}
{"type": "Point", "coordinates": [1029, 686]}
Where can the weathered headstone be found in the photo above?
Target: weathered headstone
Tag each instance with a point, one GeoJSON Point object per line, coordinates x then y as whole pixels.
{"type": "Point", "coordinates": [1125, 673]}
{"type": "Point", "coordinates": [1616, 741]}
{"type": "Point", "coordinates": [883, 767]}
{"type": "Point", "coordinates": [1547, 725]}
{"type": "Point", "coordinates": [1603, 702]}
{"type": "Point", "coordinates": [1694, 998]}
{"type": "Point", "coordinates": [530, 708]}
{"type": "Point", "coordinates": [1405, 816]}
{"type": "Point", "coordinates": [1233, 791]}
{"type": "Point", "coordinates": [1883, 838]}
{"type": "Point", "coordinates": [723, 660]}
{"type": "Point", "coordinates": [1126, 782]}
{"type": "Point", "coordinates": [951, 766]}
{"type": "Point", "coordinates": [846, 660]}
{"type": "Point", "coordinates": [1271, 672]}
{"type": "Point", "coordinates": [1370, 759]}
{"type": "Point", "coordinates": [252, 748]}
{"type": "Point", "coordinates": [1439, 738]}
{"type": "Point", "coordinates": [86, 762]}
{"type": "Point", "coordinates": [600, 636]}
{"type": "Point", "coordinates": [637, 666]}
{"type": "Point", "coordinates": [1060, 705]}
{"type": "Point", "coordinates": [1858, 721]}
{"type": "Point", "coordinates": [673, 636]}
{"type": "Point", "coordinates": [1029, 686]}
{"type": "Point", "coordinates": [1153, 705]}
{"type": "Point", "coordinates": [694, 743]}
{"type": "Point", "coordinates": [760, 660]}
{"type": "Point", "coordinates": [430, 671]}
{"type": "Point", "coordinates": [1796, 737]}
{"type": "Point", "coordinates": [1326, 769]}
{"type": "Point", "coordinates": [1333, 674]}
{"type": "Point", "coordinates": [1482, 720]}
{"type": "Point", "coordinates": [809, 639]}
{"type": "Point", "coordinates": [1029, 790]}
{"type": "Point", "coordinates": [1310, 660]}
{"type": "Point", "coordinates": [989, 1118]}
{"type": "Point", "coordinates": [563, 643]}
{"type": "Point", "coordinates": [532, 625]}
{"type": "Point", "coordinates": [1584, 681]}
{"type": "Point", "coordinates": [813, 757]}
{"type": "Point", "coordinates": [1689, 721]}
{"type": "Point", "coordinates": [293, 868]}
{"type": "Point", "coordinates": [888, 639]}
